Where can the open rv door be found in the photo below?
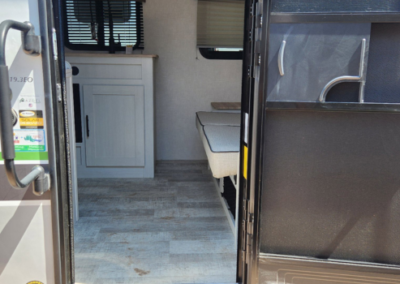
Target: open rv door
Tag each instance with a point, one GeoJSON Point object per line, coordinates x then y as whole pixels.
{"type": "Point", "coordinates": [323, 182]}
{"type": "Point", "coordinates": [34, 247]}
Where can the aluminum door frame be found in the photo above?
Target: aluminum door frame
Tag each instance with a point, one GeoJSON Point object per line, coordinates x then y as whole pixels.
{"type": "Point", "coordinates": [56, 107]}
{"type": "Point", "coordinates": [63, 197]}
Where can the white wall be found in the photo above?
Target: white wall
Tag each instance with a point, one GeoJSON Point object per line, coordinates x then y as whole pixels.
{"type": "Point", "coordinates": [185, 82]}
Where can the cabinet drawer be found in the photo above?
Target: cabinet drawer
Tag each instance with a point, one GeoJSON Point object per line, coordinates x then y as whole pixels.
{"type": "Point", "coordinates": [109, 71]}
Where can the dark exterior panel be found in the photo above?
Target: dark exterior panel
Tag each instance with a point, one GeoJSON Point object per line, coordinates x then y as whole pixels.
{"type": "Point", "coordinates": [331, 185]}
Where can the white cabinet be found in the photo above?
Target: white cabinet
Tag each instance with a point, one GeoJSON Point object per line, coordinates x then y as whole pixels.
{"type": "Point", "coordinates": [117, 116]}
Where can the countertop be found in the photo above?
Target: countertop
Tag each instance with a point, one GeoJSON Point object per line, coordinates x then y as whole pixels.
{"type": "Point", "coordinates": [226, 105]}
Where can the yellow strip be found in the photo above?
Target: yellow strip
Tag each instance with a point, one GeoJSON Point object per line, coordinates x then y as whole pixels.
{"type": "Point", "coordinates": [245, 159]}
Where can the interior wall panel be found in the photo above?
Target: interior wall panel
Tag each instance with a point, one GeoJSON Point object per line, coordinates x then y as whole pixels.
{"type": "Point", "coordinates": [185, 82]}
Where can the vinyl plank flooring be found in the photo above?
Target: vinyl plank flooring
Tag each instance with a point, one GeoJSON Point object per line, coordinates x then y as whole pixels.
{"type": "Point", "coordinates": [146, 280]}
{"type": "Point", "coordinates": [192, 204]}
{"type": "Point", "coordinates": [200, 247]}
{"type": "Point", "coordinates": [205, 257]}
{"type": "Point", "coordinates": [203, 235]}
{"type": "Point", "coordinates": [171, 229]}
{"type": "Point", "coordinates": [116, 212]}
{"type": "Point", "coordinates": [188, 212]}
{"type": "Point", "coordinates": [139, 237]}
{"type": "Point", "coordinates": [125, 191]}
{"type": "Point", "coordinates": [174, 224]}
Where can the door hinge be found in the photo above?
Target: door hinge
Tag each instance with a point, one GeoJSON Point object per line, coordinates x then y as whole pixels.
{"type": "Point", "coordinates": [59, 92]}
{"type": "Point", "coordinates": [259, 21]}
{"type": "Point", "coordinates": [250, 223]}
{"type": "Point", "coordinates": [247, 236]}
{"type": "Point", "coordinates": [257, 47]}
{"type": "Point", "coordinates": [244, 230]}
{"type": "Point", "coordinates": [243, 248]}
{"type": "Point", "coordinates": [258, 59]}
{"type": "Point", "coordinates": [55, 47]}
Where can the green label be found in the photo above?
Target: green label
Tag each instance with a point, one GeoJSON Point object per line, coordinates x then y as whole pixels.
{"type": "Point", "coordinates": [30, 148]}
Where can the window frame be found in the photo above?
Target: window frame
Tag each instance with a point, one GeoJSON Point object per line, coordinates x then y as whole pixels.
{"type": "Point", "coordinates": [102, 46]}
{"type": "Point", "coordinates": [210, 53]}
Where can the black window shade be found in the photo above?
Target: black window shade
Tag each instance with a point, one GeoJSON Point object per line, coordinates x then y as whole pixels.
{"type": "Point", "coordinates": [88, 24]}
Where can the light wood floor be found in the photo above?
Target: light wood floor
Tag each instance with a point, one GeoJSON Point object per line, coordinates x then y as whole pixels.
{"type": "Point", "coordinates": [171, 229]}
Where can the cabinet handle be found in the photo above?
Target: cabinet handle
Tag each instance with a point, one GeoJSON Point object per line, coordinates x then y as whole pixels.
{"type": "Point", "coordinates": [87, 126]}
{"type": "Point", "coordinates": [280, 58]}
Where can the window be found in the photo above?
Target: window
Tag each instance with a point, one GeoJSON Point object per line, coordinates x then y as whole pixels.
{"type": "Point", "coordinates": [220, 28]}
{"type": "Point", "coordinates": [103, 25]}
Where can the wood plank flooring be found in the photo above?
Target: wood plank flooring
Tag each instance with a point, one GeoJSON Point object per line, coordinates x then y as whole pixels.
{"type": "Point", "coordinates": [170, 229]}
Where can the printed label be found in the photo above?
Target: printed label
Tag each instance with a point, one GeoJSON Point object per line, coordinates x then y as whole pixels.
{"type": "Point", "coordinates": [29, 140]}
{"type": "Point", "coordinates": [26, 79]}
{"type": "Point", "coordinates": [31, 119]}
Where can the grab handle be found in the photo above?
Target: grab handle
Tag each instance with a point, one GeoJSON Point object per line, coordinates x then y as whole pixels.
{"type": "Point", "coordinates": [281, 57]}
{"type": "Point", "coordinates": [31, 46]}
{"type": "Point", "coordinates": [360, 78]}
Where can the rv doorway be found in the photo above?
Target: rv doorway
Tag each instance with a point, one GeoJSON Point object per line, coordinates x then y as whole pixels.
{"type": "Point", "coordinates": [156, 143]}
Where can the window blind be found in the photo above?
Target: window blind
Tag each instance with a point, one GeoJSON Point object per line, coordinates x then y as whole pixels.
{"type": "Point", "coordinates": [87, 24]}
{"type": "Point", "coordinates": [220, 23]}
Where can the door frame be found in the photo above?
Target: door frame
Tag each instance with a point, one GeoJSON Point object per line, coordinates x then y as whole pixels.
{"type": "Point", "coordinates": [253, 104]}
{"type": "Point", "coordinates": [256, 151]}
{"type": "Point", "coordinates": [251, 127]}
{"type": "Point", "coordinates": [62, 204]}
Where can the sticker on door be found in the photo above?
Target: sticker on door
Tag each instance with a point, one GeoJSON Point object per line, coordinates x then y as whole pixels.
{"type": "Point", "coordinates": [30, 119]}
{"type": "Point", "coordinates": [29, 140]}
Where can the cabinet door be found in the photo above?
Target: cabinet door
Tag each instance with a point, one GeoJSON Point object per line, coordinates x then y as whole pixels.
{"type": "Point", "coordinates": [114, 117]}
{"type": "Point", "coordinates": [312, 56]}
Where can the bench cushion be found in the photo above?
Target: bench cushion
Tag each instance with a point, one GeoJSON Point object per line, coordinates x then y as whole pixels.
{"type": "Point", "coordinates": [221, 142]}
{"type": "Point", "coordinates": [222, 138]}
